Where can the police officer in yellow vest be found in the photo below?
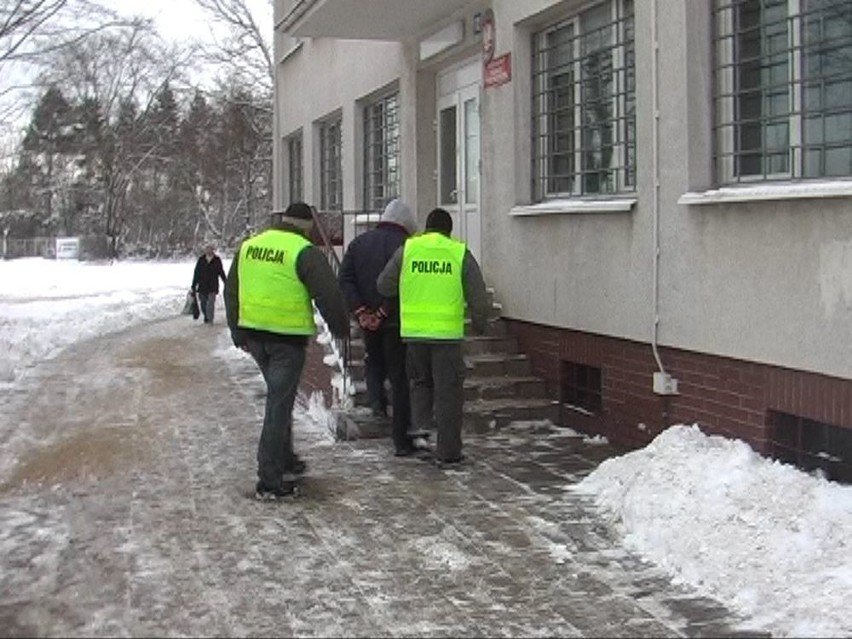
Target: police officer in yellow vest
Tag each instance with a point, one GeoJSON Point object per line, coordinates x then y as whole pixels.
{"type": "Point", "coordinates": [273, 278]}
{"type": "Point", "coordinates": [435, 276]}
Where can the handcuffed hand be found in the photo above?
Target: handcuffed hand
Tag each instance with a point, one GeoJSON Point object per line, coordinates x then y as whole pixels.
{"type": "Point", "coordinates": [367, 319]}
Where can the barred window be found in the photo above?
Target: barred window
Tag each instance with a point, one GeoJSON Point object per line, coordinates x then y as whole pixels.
{"type": "Point", "coordinates": [783, 89]}
{"type": "Point", "coordinates": [331, 166]}
{"type": "Point", "coordinates": [584, 104]}
{"type": "Point", "coordinates": [381, 152]}
{"type": "Point", "coordinates": [295, 167]}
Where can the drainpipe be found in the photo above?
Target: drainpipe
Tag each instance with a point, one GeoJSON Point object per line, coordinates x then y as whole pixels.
{"type": "Point", "coordinates": [278, 199]}
{"type": "Point", "coordinates": [664, 384]}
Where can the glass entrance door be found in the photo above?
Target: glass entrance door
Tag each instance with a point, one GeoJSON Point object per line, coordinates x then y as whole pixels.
{"type": "Point", "coordinates": [458, 131]}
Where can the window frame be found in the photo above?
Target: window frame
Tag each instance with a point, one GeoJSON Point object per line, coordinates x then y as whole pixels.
{"type": "Point", "coordinates": [295, 166]}
{"type": "Point", "coordinates": [381, 151]}
{"type": "Point", "coordinates": [330, 138]}
{"type": "Point", "coordinates": [729, 94]}
{"type": "Point", "coordinates": [620, 171]}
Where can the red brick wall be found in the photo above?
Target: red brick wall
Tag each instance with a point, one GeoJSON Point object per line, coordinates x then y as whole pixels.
{"type": "Point", "coordinates": [724, 396]}
{"type": "Point", "coordinates": [317, 375]}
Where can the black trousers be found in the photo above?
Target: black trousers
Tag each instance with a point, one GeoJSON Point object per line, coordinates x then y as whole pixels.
{"type": "Point", "coordinates": [436, 373]}
{"type": "Point", "coordinates": [375, 369]}
{"type": "Point", "coordinates": [387, 342]}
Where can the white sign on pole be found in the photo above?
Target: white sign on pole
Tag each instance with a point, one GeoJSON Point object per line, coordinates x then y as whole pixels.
{"type": "Point", "coordinates": [67, 248]}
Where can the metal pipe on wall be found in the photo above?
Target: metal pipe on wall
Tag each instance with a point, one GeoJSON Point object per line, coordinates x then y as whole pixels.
{"type": "Point", "coordinates": [655, 152]}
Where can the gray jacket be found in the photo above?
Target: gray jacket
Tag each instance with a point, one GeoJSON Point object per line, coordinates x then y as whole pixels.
{"type": "Point", "coordinates": [314, 271]}
{"type": "Point", "coordinates": [473, 285]}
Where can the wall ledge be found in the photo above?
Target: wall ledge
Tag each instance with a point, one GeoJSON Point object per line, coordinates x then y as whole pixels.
{"type": "Point", "coordinates": [770, 192]}
{"type": "Point", "coordinates": [559, 207]}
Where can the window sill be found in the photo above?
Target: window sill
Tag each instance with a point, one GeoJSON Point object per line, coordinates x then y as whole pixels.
{"type": "Point", "coordinates": [559, 207]}
{"type": "Point", "coordinates": [770, 192]}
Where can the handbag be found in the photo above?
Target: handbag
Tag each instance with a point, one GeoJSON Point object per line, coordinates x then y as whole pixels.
{"type": "Point", "coordinates": [190, 306]}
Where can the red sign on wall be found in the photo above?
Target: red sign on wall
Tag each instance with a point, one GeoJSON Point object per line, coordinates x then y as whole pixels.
{"type": "Point", "coordinates": [498, 71]}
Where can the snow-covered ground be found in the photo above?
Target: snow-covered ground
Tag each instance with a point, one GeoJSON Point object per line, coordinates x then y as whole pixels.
{"type": "Point", "coordinates": [766, 539]}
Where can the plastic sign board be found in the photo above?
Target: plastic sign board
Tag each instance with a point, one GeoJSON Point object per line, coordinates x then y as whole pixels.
{"type": "Point", "coordinates": [498, 71]}
{"type": "Point", "coordinates": [67, 248]}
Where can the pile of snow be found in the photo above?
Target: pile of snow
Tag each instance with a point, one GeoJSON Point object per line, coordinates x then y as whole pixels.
{"type": "Point", "coordinates": [763, 537]}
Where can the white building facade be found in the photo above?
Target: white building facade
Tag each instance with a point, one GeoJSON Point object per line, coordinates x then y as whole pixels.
{"type": "Point", "coordinates": [659, 191]}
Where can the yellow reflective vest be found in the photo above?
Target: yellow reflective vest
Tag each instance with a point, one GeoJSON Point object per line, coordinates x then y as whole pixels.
{"type": "Point", "coordinates": [271, 295]}
{"type": "Point", "coordinates": [431, 294]}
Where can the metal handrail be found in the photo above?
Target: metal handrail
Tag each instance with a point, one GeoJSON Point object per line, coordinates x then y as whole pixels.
{"type": "Point", "coordinates": [326, 245]}
{"type": "Point", "coordinates": [334, 231]}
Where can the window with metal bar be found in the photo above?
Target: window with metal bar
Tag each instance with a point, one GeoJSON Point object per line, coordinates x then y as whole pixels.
{"type": "Point", "coordinates": [811, 444]}
{"type": "Point", "coordinates": [381, 152]}
{"type": "Point", "coordinates": [584, 104]}
{"type": "Point", "coordinates": [581, 387]}
{"type": "Point", "coordinates": [783, 89]}
{"type": "Point", "coordinates": [295, 167]}
{"type": "Point", "coordinates": [331, 165]}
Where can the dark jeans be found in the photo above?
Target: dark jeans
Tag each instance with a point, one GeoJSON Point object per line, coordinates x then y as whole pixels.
{"type": "Point", "coordinates": [391, 351]}
{"type": "Point", "coordinates": [436, 371]}
{"type": "Point", "coordinates": [281, 365]}
{"type": "Point", "coordinates": [375, 370]}
{"type": "Point", "coordinates": [207, 302]}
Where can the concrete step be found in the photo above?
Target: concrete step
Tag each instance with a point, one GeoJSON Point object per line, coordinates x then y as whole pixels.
{"type": "Point", "coordinates": [496, 327]}
{"type": "Point", "coordinates": [504, 387]}
{"type": "Point", "coordinates": [476, 366]}
{"type": "Point", "coordinates": [481, 344]}
{"type": "Point", "coordinates": [497, 365]}
{"type": "Point", "coordinates": [358, 423]}
{"type": "Point", "coordinates": [484, 415]}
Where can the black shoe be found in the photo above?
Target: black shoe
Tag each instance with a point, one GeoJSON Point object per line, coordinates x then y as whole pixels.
{"type": "Point", "coordinates": [404, 451]}
{"type": "Point", "coordinates": [425, 454]}
{"type": "Point", "coordinates": [263, 492]}
{"type": "Point", "coordinates": [297, 467]}
{"type": "Point", "coordinates": [454, 462]}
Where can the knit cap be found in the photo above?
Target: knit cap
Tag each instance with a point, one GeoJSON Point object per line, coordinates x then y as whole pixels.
{"type": "Point", "coordinates": [298, 214]}
{"type": "Point", "coordinates": [439, 220]}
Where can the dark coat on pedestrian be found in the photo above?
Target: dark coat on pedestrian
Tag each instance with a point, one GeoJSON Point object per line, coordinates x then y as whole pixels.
{"type": "Point", "coordinates": [367, 255]}
{"type": "Point", "coordinates": [207, 274]}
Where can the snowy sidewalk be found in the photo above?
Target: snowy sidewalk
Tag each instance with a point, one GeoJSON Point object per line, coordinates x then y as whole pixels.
{"type": "Point", "coordinates": [123, 511]}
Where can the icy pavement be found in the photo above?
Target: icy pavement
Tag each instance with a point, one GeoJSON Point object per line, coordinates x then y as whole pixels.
{"type": "Point", "coordinates": [125, 469]}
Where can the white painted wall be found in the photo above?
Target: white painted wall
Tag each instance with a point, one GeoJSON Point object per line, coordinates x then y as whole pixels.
{"type": "Point", "coordinates": [323, 76]}
{"type": "Point", "coordinates": [762, 281]}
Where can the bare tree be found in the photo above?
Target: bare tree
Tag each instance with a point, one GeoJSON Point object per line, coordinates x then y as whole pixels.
{"type": "Point", "coordinates": [246, 50]}
{"type": "Point", "coordinates": [119, 72]}
{"type": "Point", "coordinates": [34, 30]}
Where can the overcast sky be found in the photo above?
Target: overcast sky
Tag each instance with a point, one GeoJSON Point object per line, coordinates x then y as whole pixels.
{"type": "Point", "coordinates": [180, 19]}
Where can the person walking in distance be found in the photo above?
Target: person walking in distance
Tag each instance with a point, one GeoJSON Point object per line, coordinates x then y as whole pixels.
{"type": "Point", "coordinates": [434, 277]}
{"type": "Point", "coordinates": [272, 280]}
{"type": "Point", "coordinates": [205, 280]}
{"type": "Point", "coordinates": [378, 317]}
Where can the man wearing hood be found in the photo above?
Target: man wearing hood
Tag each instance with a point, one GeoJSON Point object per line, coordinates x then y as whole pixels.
{"type": "Point", "coordinates": [268, 292]}
{"type": "Point", "coordinates": [378, 317]}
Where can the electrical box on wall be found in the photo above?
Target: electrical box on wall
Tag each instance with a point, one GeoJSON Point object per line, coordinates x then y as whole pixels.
{"type": "Point", "coordinates": [665, 384]}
